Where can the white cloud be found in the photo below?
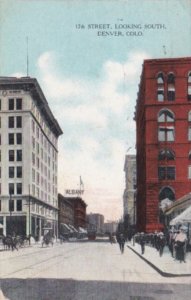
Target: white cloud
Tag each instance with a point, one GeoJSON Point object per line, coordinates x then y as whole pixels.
{"type": "Point", "coordinates": [91, 146]}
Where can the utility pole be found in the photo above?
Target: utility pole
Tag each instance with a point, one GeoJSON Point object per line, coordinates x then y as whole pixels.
{"type": "Point", "coordinates": [29, 217]}
{"type": "Point", "coordinates": [10, 209]}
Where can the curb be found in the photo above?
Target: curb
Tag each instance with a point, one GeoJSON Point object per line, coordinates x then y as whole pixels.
{"type": "Point", "coordinates": [164, 274]}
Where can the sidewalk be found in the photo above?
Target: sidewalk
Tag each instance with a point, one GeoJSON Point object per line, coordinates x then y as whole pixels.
{"type": "Point", "coordinates": [165, 265]}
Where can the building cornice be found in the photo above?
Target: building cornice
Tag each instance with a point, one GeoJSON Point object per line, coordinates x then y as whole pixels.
{"type": "Point", "coordinates": [32, 86]}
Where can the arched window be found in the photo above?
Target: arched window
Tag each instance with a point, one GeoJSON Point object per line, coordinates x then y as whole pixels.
{"type": "Point", "coordinates": [160, 78]}
{"type": "Point", "coordinates": [160, 87]}
{"type": "Point", "coordinates": [171, 87]}
{"type": "Point", "coordinates": [166, 192]}
{"type": "Point", "coordinates": [166, 154]}
{"type": "Point", "coordinates": [189, 85]}
{"type": "Point", "coordinates": [165, 115]}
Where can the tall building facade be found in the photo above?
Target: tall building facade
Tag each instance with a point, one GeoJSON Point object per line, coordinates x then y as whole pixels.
{"type": "Point", "coordinates": [163, 118]}
{"type": "Point", "coordinates": [28, 158]}
{"type": "Point", "coordinates": [129, 200]}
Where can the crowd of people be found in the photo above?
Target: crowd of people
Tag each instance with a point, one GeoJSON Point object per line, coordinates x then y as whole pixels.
{"type": "Point", "coordinates": [175, 240]}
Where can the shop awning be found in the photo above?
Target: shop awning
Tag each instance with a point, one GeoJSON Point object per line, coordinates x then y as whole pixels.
{"type": "Point", "coordinates": [66, 227]}
{"type": "Point", "coordinates": [73, 228]}
{"type": "Point", "coordinates": [82, 230]}
{"type": "Point", "coordinates": [184, 217]}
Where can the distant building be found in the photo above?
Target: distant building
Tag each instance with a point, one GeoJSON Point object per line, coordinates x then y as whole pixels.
{"type": "Point", "coordinates": [28, 158]}
{"type": "Point", "coordinates": [129, 201]}
{"type": "Point", "coordinates": [110, 227]}
{"type": "Point", "coordinates": [79, 211]}
{"type": "Point", "coordinates": [97, 220]}
{"type": "Point", "coordinates": [163, 118]}
{"type": "Point", "coordinates": [65, 214]}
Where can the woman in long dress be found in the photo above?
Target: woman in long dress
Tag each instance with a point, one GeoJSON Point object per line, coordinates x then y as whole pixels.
{"type": "Point", "coordinates": [180, 245]}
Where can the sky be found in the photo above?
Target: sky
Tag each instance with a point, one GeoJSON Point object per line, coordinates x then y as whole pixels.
{"type": "Point", "coordinates": [90, 77]}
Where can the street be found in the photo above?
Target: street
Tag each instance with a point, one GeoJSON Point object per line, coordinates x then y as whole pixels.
{"type": "Point", "coordinates": [84, 270]}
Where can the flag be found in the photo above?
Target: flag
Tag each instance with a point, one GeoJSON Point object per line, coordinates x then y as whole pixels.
{"type": "Point", "coordinates": [81, 183]}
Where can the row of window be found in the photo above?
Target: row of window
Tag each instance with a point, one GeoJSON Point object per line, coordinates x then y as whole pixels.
{"type": "Point", "coordinates": [170, 93]}
{"type": "Point", "coordinates": [15, 138]}
{"type": "Point", "coordinates": [15, 172]}
{"type": "Point", "coordinates": [166, 173]}
{"type": "Point", "coordinates": [167, 115]}
{"type": "Point", "coordinates": [168, 154]}
{"type": "Point", "coordinates": [17, 205]}
{"type": "Point", "coordinates": [15, 188]}
{"type": "Point", "coordinates": [15, 122]}
{"type": "Point", "coordinates": [14, 155]}
{"type": "Point", "coordinates": [13, 204]}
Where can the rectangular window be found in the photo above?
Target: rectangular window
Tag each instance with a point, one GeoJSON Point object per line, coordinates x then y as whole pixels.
{"type": "Point", "coordinates": [38, 163]}
{"type": "Point", "coordinates": [33, 142]}
{"type": "Point", "coordinates": [0, 122]}
{"type": "Point", "coordinates": [19, 138]}
{"type": "Point", "coordinates": [19, 188]}
{"type": "Point", "coordinates": [160, 95]}
{"type": "Point", "coordinates": [170, 134]}
{"type": "Point", "coordinates": [0, 204]}
{"type": "Point", "coordinates": [18, 103]}
{"type": "Point", "coordinates": [189, 133]}
{"type": "Point", "coordinates": [33, 158]}
{"type": "Point", "coordinates": [19, 172]}
{"type": "Point", "coordinates": [161, 173]}
{"type": "Point", "coordinates": [33, 126]}
{"type": "Point", "coordinates": [11, 155]}
{"type": "Point", "coordinates": [166, 173]}
{"type": "Point", "coordinates": [19, 205]}
{"type": "Point", "coordinates": [11, 172]}
{"type": "Point", "coordinates": [11, 139]}
{"type": "Point", "coordinates": [0, 104]}
{"type": "Point", "coordinates": [189, 92]}
{"type": "Point", "coordinates": [171, 95]}
{"type": "Point", "coordinates": [189, 172]}
{"type": "Point", "coordinates": [166, 134]}
{"type": "Point", "coordinates": [11, 189]}
{"type": "Point", "coordinates": [11, 205]}
{"type": "Point", "coordinates": [170, 173]}
{"type": "Point", "coordinates": [19, 121]}
{"type": "Point", "coordinates": [161, 134]}
{"type": "Point", "coordinates": [11, 104]}
{"type": "Point", "coordinates": [11, 122]}
{"type": "Point", "coordinates": [19, 155]}
{"type": "Point", "coordinates": [0, 155]}
{"type": "Point", "coordinates": [33, 175]}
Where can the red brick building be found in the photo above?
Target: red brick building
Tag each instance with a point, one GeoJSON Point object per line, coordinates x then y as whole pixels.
{"type": "Point", "coordinates": [163, 118]}
{"type": "Point", "coordinates": [79, 211]}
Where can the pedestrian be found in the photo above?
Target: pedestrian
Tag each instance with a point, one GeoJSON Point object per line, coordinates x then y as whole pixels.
{"type": "Point", "coordinates": [161, 243]}
{"type": "Point", "coordinates": [180, 245]}
{"type": "Point", "coordinates": [121, 242]}
{"type": "Point", "coordinates": [142, 242]}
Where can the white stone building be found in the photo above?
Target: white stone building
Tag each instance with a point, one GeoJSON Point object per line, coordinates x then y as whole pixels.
{"type": "Point", "coordinates": [28, 158]}
{"type": "Point", "coordinates": [129, 201]}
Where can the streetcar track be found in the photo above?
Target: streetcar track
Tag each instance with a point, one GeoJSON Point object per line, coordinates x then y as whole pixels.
{"type": "Point", "coordinates": [41, 262]}
{"type": "Point", "coordinates": [27, 254]}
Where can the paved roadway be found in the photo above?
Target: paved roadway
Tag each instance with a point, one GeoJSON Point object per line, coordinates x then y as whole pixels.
{"type": "Point", "coordinates": [85, 270]}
